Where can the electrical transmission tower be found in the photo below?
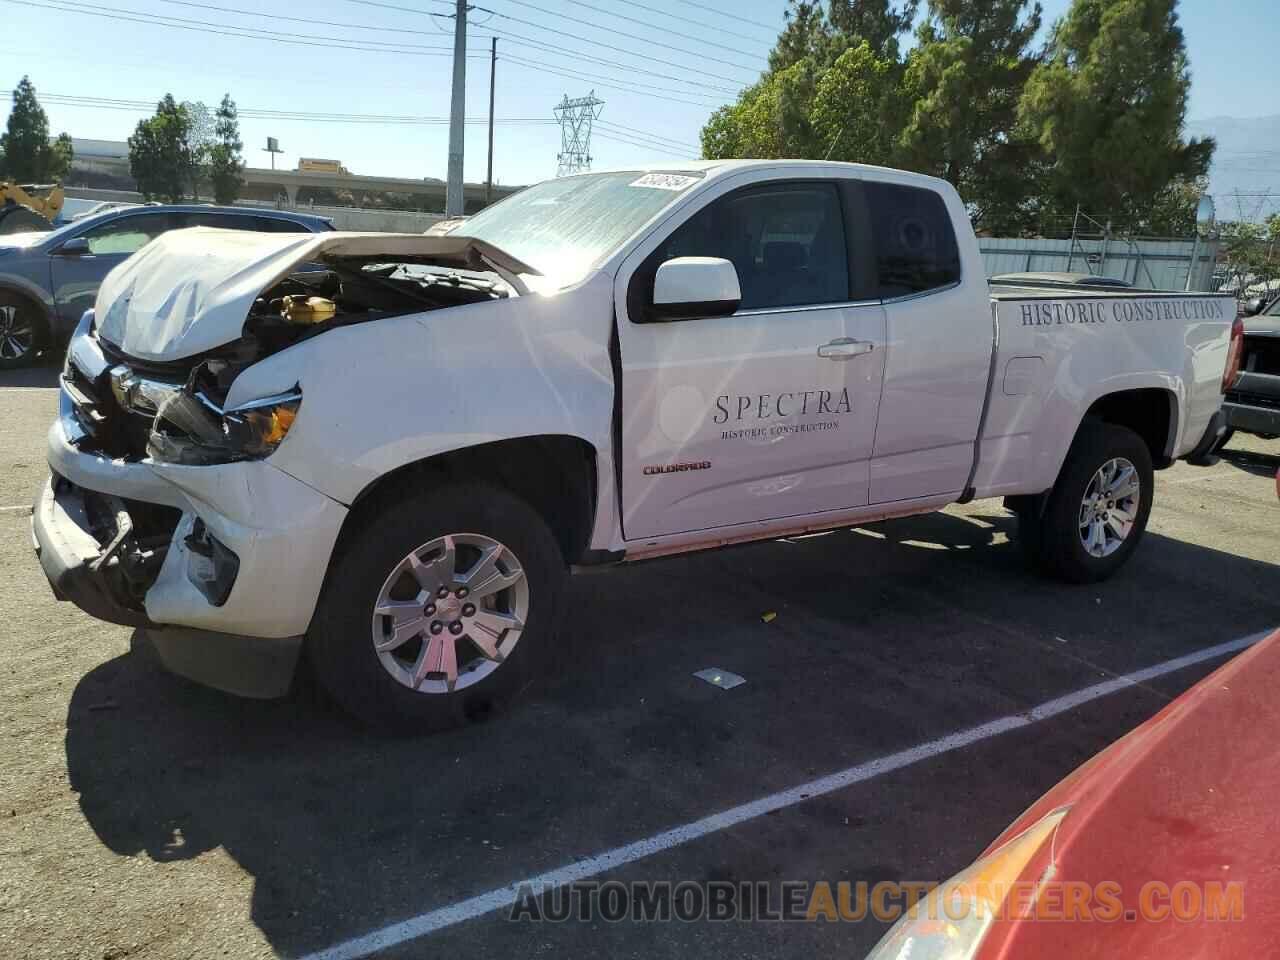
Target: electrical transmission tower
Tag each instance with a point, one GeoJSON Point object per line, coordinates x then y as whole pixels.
{"type": "Point", "coordinates": [576, 117]}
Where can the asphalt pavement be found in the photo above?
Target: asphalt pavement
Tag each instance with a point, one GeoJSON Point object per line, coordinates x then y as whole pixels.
{"type": "Point", "coordinates": [143, 816]}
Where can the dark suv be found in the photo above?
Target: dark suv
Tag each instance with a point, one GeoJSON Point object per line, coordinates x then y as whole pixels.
{"type": "Point", "coordinates": [1252, 401]}
{"type": "Point", "coordinates": [48, 280]}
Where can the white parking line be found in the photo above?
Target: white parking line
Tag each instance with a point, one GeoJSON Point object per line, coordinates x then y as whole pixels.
{"type": "Point", "coordinates": [503, 897]}
{"type": "Point", "coordinates": [23, 508]}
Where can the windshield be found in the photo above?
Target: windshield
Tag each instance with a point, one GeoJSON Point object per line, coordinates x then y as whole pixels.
{"type": "Point", "coordinates": [565, 227]}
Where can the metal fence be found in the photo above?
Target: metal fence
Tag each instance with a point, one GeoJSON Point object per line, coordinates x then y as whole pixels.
{"type": "Point", "coordinates": [1151, 262]}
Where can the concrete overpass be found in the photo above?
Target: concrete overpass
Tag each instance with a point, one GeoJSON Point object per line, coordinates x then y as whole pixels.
{"type": "Point", "coordinates": [266, 185]}
{"type": "Point", "coordinates": [258, 181]}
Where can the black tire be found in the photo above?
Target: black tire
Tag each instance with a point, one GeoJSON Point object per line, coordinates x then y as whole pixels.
{"type": "Point", "coordinates": [1222, 441]}
{"type": "Point", "coordinates": [17, 313]}
{"type": "Point", "coordinates": [1053, 539]}
{"type": "Point", "coordinates": [340, 644]}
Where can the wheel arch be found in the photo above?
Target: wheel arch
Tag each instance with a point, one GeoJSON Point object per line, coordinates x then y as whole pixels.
{"type": "Point", "coordinates": [1150, 412]}
{"type": "Point", "coordinates": [22, 287]}
{"type": "Point", "coordinates": [37, 298]}
{"type": "Point", "coordinates": [554, 473]}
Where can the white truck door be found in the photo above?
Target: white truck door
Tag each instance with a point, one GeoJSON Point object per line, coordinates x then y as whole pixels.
{"type": "Point", "coordinates": [938, 357]}
{"type": "Point", "coordinates": [770, 412]}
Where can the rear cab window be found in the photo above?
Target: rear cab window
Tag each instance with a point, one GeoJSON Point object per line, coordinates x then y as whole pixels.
{"type": "Point", "coordinates": [915, 242]}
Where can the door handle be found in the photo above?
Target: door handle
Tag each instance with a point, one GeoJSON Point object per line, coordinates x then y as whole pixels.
{"type": "Point", "coordinates": [845, 348]}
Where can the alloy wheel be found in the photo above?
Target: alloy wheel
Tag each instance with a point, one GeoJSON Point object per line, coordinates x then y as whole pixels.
{"type": "Point", "coordinates": [1109, 509]}
{"type": "Point", "coordinates": [450, 613]}
{"type": "Point", "coordinates": [17, 333]}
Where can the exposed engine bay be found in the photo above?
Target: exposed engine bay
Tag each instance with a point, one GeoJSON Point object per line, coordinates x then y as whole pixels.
{"type": "Point", "coordinates": [341, 291]}
{"type": "Point", "coordinates": [173, 411]}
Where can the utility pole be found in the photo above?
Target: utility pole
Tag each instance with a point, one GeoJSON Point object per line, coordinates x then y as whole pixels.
{"type": "Point", "coordinates": [493, 69]}
{"type": "Point", "coordinates": [453, 206]}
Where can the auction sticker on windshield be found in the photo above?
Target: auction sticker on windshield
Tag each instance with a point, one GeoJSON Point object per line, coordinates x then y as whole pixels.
{"type": "Point", "coordinates": [664, 181]}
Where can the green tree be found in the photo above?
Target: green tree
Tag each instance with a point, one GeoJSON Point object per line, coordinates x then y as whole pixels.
{"type": "Point", "coordinates": [825, 93]}
{"type": "Point", "coordinates": [200, 139]}
{"type": "Point", "coordinates": [1173, 210]}
{"type": "Point", "coordinates": [805, 35]}
{"type": "Point", "coordinates": [26, 155]}
{"type": "Point", "coordinates": [226, 164]}
{"type": "Point", "coordinates": [160, 152]}
{"type": "Point", "coordinates": [873, 21]}
{"type": "Point", "coordinates": [853, 106]}
{"type": "Point", "coordinates": [1107, 108]}
{"type": "Point", "coordinates": [770, 119]}
{"type": "Point", "coordinates": [962, 84]}
{"type": "Point", "coordinates": [1248, 254]}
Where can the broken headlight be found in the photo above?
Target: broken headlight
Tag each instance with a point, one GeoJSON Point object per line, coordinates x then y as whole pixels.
{"type": "Point", "coordinates": [190, 428]}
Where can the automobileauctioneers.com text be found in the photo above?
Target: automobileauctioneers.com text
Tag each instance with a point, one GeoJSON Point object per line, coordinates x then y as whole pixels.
{"type": "Point", "coordinates": [852, 902]}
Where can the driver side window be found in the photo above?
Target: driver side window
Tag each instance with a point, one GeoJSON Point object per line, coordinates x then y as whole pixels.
{"type": "Point", "coordinates": [126, 235]}
{"type": "Point", "coordinates": [786, 241]}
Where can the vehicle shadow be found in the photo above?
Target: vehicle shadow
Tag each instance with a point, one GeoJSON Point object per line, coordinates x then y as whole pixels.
{"type": "Point", "coordinates": [343, 831]}
{"type": "Point", "coordinates": [43, 373]}
{"type": "Point", "coordinates": [1252, 461]}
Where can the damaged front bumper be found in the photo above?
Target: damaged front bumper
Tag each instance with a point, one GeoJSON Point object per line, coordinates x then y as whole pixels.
{"type": "Point", "coordinates": [221, 565]}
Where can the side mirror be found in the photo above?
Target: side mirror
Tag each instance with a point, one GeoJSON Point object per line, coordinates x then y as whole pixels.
{"type": "Point", "coordinates": [1254, 307]}
{"type": "Point", "coordinates": [689, 287]}
{"type": "Point", "coordinates": [75, 247]}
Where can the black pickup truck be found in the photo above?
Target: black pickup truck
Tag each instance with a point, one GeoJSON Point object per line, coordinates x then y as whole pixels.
{"type": "Point", "coordinates": [1252, 401]}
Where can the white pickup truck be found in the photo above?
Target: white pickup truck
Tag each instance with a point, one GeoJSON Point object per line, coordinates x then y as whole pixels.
{"type": "Point", "coordinates": [393, 449]}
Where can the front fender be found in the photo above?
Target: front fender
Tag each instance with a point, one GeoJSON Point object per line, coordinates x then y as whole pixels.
{"type": "Point", "coordinates": [380, 395]}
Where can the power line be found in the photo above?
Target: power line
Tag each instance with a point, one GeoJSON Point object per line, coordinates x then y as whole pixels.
{"type": "Point", "coordinates": [640, 137]}
{"type": "Point", "coordinates": [643, 23]}
{"type": "Point", "coordinates": [717, 94]}
{"type": "Point", "coordinates": [658, 138]}
{"type": "Point", "coordinates": [550, 47]}
{"type": "Point", "coordinates": [310, 40]}
{"type": "Point", "coordinates": [732, 16]}
{"type": "Point", "coordinates": [642, 146]}
{"type": "Point", "coordinates": [563, 33]}
{"type": "Point", "coordinates": [243, 33]}
{"type": "Point", "coordinates": [676, 16]}
{"type": "Point", "coordinates": [617, 49]}
{"type": "Point", "coordinates": [108, 103]}
{"type": "Point", "coordinates": [570, 74]}
{"type": "Point", "coordinates": [310, 21]}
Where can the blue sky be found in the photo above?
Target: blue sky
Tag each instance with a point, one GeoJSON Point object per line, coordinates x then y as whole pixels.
{"type": "Point", "coordinates": [709, 46]}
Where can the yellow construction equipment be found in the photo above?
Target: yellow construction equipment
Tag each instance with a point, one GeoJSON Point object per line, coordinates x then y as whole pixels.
{"type": "Point", "coordinates": [44, 199]}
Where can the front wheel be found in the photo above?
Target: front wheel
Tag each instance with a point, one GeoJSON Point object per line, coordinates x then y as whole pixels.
{"type": "Point", "coordinates": [439, 609]}
{"type": "Point", "coordinates": [1098, 509]}
{"type": "Point", "coordinates": [22, 331]}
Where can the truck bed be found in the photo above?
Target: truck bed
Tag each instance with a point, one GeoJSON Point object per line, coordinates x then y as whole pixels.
{"type": "Point", "coordinates": [1060, 348]}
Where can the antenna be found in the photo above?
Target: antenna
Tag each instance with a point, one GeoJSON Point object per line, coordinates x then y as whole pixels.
{"type": "Point", "coordinates": [576, 117]}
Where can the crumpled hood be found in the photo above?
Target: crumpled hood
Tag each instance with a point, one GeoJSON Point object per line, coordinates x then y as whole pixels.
{"type": "Point", "coordinates": [190, 290]}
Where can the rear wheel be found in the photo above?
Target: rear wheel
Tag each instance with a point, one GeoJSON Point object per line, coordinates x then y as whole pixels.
{"type": "Point", "coordinates": [23, 332]}
{"type": "Point", "coordinates": [1098, 509]}
{"type": "Point", "coordinates": [439, 610]}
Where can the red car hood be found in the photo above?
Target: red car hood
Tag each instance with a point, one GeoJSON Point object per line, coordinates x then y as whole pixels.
{"type": "Point", "coordinates": [1191, 795]}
